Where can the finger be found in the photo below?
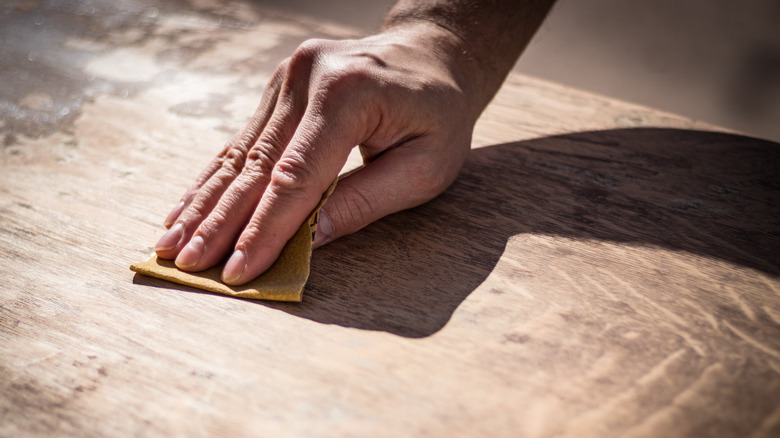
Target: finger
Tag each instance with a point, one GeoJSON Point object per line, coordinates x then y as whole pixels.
{"type": "Point", "coordinates": [201, 197]}
{"type": "Point", "coordinates": [243, 140]}
{"type": "Point", "coordinates": [399, 179]}
{"type": "Point", "coordinates": [216, 234]}
{"type": "Point", "coordinates": [308, 166]}
{"type": "Point", "coordinates": [204, 176]}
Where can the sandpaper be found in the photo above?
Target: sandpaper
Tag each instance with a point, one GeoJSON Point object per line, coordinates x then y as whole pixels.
{"type": "Point", "coordinates": [283, 281]}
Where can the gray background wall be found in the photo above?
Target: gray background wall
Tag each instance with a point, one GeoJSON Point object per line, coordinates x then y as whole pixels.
{"type": "Point", "coordinates": [712, 60]}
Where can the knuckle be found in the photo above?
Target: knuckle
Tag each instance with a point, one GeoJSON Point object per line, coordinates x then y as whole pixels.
{"type": "Point", "coordinates": [313, 45]}
{"type": "Point", "coordinates": [260, 159]}
{"type": "Point", "coordinates": [291, 175]}
{"type": "Point", "coordinates": [306, 54]}
{"type": "Point", "coordinates": [233, 160]}
{"type": "Point", "coordinates": [358, 210]}
{"type": "Point", "coordinates": [227, 146]}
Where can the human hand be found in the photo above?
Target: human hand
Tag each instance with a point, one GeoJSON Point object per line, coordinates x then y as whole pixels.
{"type": "Point", "coordinates": [404, 97]}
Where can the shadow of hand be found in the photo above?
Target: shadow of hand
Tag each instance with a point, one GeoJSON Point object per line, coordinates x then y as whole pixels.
{"type": "Point", "coordinates": [709, 194]}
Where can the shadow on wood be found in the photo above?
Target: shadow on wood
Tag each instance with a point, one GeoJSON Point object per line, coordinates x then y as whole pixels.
{"type": "Point", "coordinates": [711, 194]}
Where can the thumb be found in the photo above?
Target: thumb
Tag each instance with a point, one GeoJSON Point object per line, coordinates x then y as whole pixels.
{"type": "Point", "coordinates": [399, 179]}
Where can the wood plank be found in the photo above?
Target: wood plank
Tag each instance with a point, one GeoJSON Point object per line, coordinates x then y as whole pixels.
{"type": "Point", "coordinates": [598, 268]}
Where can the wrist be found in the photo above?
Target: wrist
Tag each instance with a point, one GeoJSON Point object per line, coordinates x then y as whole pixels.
{"type": "Point", "coordinates": [488, 35]}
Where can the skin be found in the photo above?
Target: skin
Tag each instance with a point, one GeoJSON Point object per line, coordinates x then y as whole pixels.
{"type": "Point", "coordinates": [408, 97]}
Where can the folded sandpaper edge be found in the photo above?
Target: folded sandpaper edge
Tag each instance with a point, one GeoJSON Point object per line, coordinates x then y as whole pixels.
{"type": "Point", "coordinates": [204, 280]}
{"type": "Point", "coordinates": [283, 281]}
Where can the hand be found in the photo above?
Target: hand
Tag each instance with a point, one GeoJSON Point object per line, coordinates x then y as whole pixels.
{"type": "Point", "coordinates": [403, 97]}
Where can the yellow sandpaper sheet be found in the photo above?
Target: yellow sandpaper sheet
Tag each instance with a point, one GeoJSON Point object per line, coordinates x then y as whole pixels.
{"type": "Point", "coordinates": [283, 281]}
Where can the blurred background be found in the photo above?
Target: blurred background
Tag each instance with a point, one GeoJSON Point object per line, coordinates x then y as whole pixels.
{"type": "Point", "coordinates": [712, 60]}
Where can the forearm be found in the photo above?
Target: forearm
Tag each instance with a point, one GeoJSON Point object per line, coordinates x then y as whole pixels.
{"type": "Point", "coordinates": [489, 35]}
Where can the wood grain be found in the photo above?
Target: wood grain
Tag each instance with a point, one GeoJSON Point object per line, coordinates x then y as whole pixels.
{"type": "Point", "coordinates": [598, 269]}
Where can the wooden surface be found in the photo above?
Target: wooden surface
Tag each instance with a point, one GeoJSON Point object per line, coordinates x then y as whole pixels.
{"type": "Point", "coordinates": [598, 269]}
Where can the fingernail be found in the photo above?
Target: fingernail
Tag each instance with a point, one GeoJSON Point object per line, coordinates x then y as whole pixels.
{"type": "Point", "coordinates": [191, 254]}
{"type": "Point", "coordinates": [234, 268]}
{"type": "Point", "coordinates": [324, 232]}
{"type": "Point", "coordinates": [173, 215]}
{"type": "Point", "coordinates": [171, 238]}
